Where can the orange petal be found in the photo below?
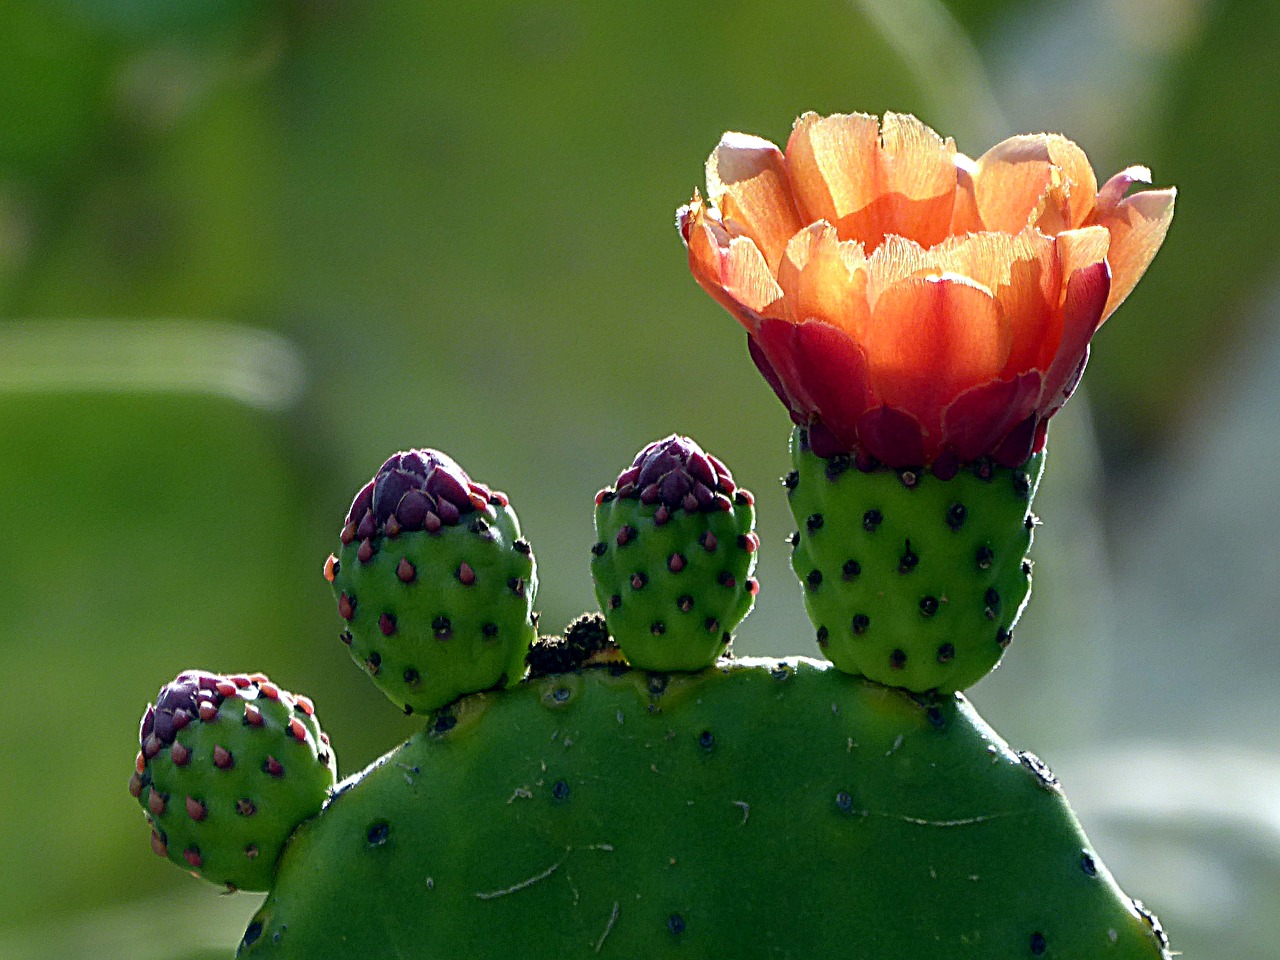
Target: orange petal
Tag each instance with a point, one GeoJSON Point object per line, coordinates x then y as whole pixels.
{"type": "Point", "coordinates": [1137, 225]}
{"type": "Point", "coordinates": [747, 180]}
{"type": "Point", "coordinates": [872, 179]}
{"type": "Point", "coordinates": [1041, 179]}
{"type": "Point", "coordinates": [824, 279]}
{"type": "Point", "coordinates": [747, 277]}
{"type": "Point", "coordinates": [1082, 256]}
{"type": "Point", "coordinates": [1021, 272]}
{"type": "Point", "coordinates": [931, 339]}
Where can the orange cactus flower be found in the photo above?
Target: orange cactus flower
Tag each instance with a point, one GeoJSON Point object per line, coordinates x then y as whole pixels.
{"type": "Point", "coordinates": [908, 304]}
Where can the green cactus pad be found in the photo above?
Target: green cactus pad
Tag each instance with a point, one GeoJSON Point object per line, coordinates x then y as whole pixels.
{"type": "Point", "coordinates": [910, 580]}
{"type": "Point", "coordinates": [673, 558]}
{"type": "Point", "coordinates": [439, 610]}
{"type": "Point", "coordinates": [758, 809]}
{"type": "Point", "coordinates": [673, 614]}
{"type": "Point", "coordinates": [229, 767]}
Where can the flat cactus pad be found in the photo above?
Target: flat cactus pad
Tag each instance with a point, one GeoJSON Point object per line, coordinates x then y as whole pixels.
{"type": "Point", "coordinates": [757, 809]}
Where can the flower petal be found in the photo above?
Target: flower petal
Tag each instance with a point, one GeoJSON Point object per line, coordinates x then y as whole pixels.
{"type": "Point", "coordinates": [931, 339]}
{"type": "Point", "coordinates": [1021, 272]}
{"type": "Point", "coordinates": [981, 417]}
{"type": "Point", "coordinates": [895, 437]}
{"type": "Point", "coordinates": [825, 279]}
{"type": "Point", "coordinates": [1082, 255]}
{"type": "Point", "coordinates": [1038, 179]}
{"type": "Point", "coordinates": [747, 180]}
{"type": "Point", "coordinates": [833, 368]}
{"type": "Point", "coordinates": [1138, 225]}
{"type": "Point", "coordinates": [872, 179]}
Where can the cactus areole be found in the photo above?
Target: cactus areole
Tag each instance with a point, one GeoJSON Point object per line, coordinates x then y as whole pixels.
{"type": "Point", "coordinates": [630, 789]}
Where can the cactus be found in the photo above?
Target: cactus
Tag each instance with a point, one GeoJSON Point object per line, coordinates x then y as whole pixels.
{"type": "Point", "coordinates": [435, 583]}
{"type": "Point", "coordinates": [673, 558]}
{"type": "Point", "coordinates": [912, 579]}
{"type": "Point", "coordinates": [757, 809]}
{"type": "Point", "coordinates": [625, 790]}
{"type": "Point", "coordinates": [228, 768]}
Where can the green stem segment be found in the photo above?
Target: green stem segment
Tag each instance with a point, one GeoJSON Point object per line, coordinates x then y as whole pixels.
{"type": "Point", "coordinates": [910, 580]}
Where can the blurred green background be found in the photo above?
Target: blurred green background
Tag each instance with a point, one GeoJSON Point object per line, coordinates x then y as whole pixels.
{"type": "Point", "coordinates": [248, 249]}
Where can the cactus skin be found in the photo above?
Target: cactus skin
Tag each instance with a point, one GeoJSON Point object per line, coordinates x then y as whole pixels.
{"type": "Point", "coordinates": [674, 555]}
{"type": "Point", "coordinates": [229, 766]}
{"type": "Point", "coordinates": [435, 583]}
{"type": "Point", "coordinates": [911, 580]}
{"type": "Point", "coordinates": [763, 808]}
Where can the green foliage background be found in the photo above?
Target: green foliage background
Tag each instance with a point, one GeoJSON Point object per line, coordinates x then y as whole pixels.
{"type": "Point", "coordinates": [458, 218]}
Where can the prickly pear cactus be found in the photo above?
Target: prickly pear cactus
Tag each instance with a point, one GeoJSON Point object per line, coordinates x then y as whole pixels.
{"type": "Point", "coordinates": [674, 556]}
{"type": "Point", "coordinates": [626, 790]}
{"type": "Point", "coordinates": [756, 809]}
{"type": "Point", "coordinates": [228, 767]}
{"type": "Point", "coordinates": [910, 579]}
{"type": "Point", "coordinates": [434, 582]}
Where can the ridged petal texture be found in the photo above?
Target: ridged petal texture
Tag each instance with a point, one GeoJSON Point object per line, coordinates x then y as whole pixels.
{"type": "Point", "coordinates": [762, 809]}
{"type": "Point", "coordinates": [940, 308]}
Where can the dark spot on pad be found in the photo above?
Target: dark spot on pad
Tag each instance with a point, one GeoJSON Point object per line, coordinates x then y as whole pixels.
{"type": "Point", "coordinates": [657, 628]}
{"type": "Point", "coordinates": [1088, 865]}
{"type": "Point", "coordinates": [984, 557]}
{"type": "Point", "coordinates": [1038, 944]}
{"type": "Point", "coordinates": [706, 740]}
{"type": "Point", "coordinates": [1021, 484]}
{"type": "Point", "coordinates": [600, 548]}
{"type": "Point", "coordinates": [378, 832]}
{"type": "Point", "coordinates": [685, 603]}
{"type": "Point", "coordinates": [814, 580]}
{"type": "Point", "coordinates": [522, 546]}
{"type": "Point", "coordinates": [957, 513]}
{"type": "Point", "coordinates": [675, 923]}
{"type": "Point", "coordinates": [851, 569]}
{"type": "Point", "coordinates": [444, 723]}
{"type": "Point", "coordinates": [844, 802]}
{"type": "Point", "coordinates": [935, 717]}
{"type": "Point", "coordinates": [814, 522]}
{"type": "Point", "coordinates": [489, 630]}
{"type": "Point", "coordinates": [615, 602]}
{"type": "Point", "coordinates": [837, 465]}
{"type": "Point", "coordinates": [791, 480]}
{"type": "Point", "coordinates": [946, 653]}
{"type": "Point", "coordinates": [638, 581]}
{"type": "Point", "coordinates": [823, 633]}
{"type": "Point", "coordinates": [252, 933]}
{"type": "Point", "coordinates": [909, 479]}
{"type": "Point", "coordinates": [898, 659]}
{"type": "Point", "coordinates": [860, 623]}
{"type": "Point", "coordinates": [442, 627]}
{"type": "Point", "coordinates": [928, 606]}
{"type": "Point", "coordinates": [560, 790]}
{"type": "Point", "coordinates": [1004, 638]}
{"type": "Point", "coordinates": [909, 559]}
{"type": "Point", "coordinates": [411, 676]}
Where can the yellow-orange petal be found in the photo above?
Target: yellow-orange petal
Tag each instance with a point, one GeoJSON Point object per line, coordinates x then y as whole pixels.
{"type": "Point", "coordinates": [747, 278]}
{"type": "Point", "coordinates": [895, 260]}
{"type": "Point", "coordinates": [871, 179]}
{"type": "Point", "coordinates": [1137, 226]}
{"type": "Point", "coordinates": [1039, 179]}
{"type": "Point", "coordinates": [932, 338]}
{"type": "Point", "coordinates": [1021, 273]}
{"type": "Point", "coordinates": [747, 180]}
{"type": "Point", "coordinates": [825, 279]}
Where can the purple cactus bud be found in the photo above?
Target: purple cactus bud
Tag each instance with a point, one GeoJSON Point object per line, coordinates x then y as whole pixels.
{"type": "Point", "coordinates": [677, 474]}
{"type": "Point", "coordinates": [411, 487]}
{"type": "Point", "coordinates": [176, 704]}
